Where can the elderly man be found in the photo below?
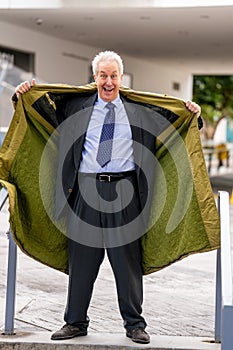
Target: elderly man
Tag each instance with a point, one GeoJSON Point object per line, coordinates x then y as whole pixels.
{"type": "Point", "coordinates": [106, 153]}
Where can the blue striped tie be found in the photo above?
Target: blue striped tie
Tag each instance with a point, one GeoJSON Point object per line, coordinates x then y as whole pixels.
{"type": "Point", "coordinates": [106, 138]}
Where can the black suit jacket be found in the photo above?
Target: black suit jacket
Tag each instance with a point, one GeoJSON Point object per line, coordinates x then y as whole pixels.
{"type": "Point", "coordinates": [75, 114]}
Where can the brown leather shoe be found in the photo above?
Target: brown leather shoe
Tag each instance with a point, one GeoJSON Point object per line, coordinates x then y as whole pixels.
{"type": "Point", "coordinates": [68, 331]}
{"type": "Point", "coordinates": [138, 335]}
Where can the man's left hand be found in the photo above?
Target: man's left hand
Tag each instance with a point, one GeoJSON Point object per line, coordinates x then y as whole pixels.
{"type": "Point", "coordinates": [194, 107]}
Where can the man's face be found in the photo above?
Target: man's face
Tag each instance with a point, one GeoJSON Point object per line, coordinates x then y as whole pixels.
{"type": "Point", "coordinates": [108, 80]}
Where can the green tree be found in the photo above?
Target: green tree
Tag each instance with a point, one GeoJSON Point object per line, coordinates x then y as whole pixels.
{"type": "Point", "coordinates": [215, 96]}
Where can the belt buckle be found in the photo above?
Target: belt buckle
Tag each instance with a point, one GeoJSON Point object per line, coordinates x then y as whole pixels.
{"type": "Point", "coordinates": [105, 177]}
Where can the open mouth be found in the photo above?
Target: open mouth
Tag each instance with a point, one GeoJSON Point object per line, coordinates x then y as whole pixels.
{"type": "Point", "coordinates": [107, 89]}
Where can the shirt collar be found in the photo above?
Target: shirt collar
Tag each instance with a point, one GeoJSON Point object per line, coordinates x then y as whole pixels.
{"type": "Point", "coordinates": [102, 102]}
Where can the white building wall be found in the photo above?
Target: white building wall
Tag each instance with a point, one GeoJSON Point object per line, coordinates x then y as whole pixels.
{"type": "Point", "coordinates": [155, 77]}
{"type": "Point", "coordinates": [52, 66]}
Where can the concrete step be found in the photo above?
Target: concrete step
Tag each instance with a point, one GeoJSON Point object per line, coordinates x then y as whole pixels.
{"type": "Point", "coordinates": [41, 341]}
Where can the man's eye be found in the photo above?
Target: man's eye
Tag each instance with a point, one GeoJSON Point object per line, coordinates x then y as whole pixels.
{"type": "Point", "coordinates": [103, 76]}
{"type": "Point", "coordinates": [114, 76]}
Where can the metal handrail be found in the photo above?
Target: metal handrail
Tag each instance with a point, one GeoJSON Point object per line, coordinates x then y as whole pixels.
{"type": "Point", "coordinates": [224, 292]}
{"type": "Point", "coordinates": [225, 248]}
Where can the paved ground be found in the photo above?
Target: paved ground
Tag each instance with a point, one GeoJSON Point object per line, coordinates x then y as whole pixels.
{"type": "Point", "coordinates": [178, 301]}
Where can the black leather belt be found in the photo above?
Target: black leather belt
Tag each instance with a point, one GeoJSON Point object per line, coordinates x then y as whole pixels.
{"type": "Point", "coordinates": [110, 177]}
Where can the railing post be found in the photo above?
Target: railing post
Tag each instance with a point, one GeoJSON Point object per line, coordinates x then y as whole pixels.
{"type": "Point", "coordinates": [11, 283]}
{"type": "Point", "coordinates": [218, 299]}
{"type": "Point", "coordinates": [11, 275]}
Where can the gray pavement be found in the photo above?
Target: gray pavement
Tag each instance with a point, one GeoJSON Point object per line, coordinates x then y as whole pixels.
{"type": "Point", "coordinates": [179, 305]}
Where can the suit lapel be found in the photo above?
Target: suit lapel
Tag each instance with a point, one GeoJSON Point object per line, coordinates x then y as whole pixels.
{"type": "Point", "coordinates": [136, 128]}
{"type": "Point", "coordinates": [81, 125]}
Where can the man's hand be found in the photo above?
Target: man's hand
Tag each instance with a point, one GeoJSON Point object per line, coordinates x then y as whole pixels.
{"type": "Point", "coordinates": [24, 87]}
{"type": "Point", "coordinates": [194, 107]}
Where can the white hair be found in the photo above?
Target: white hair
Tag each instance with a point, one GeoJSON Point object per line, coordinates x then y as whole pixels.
{"type": "Point", "coordinates": [106, 56]}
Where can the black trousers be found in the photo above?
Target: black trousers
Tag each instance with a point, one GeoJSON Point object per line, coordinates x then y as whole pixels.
{"type": "Point", "coordinates": [85, 260]}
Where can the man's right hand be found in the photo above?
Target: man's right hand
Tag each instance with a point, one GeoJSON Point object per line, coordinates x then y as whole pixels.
{"type": "Point", "coordinates": [24, 87]}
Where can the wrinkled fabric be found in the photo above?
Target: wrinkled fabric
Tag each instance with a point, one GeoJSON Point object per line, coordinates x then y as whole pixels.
{"type": "Point", "coordinates": [184, 219]}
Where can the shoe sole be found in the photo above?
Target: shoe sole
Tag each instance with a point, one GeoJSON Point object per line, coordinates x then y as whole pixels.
{"type": "Point", "coordinates": [138, 340]}
{"type": "Point", "coordinates": [69, 337]}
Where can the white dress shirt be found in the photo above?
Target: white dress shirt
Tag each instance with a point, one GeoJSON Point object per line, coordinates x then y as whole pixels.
{"type": "Point", "coordinates": [122, 150]}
